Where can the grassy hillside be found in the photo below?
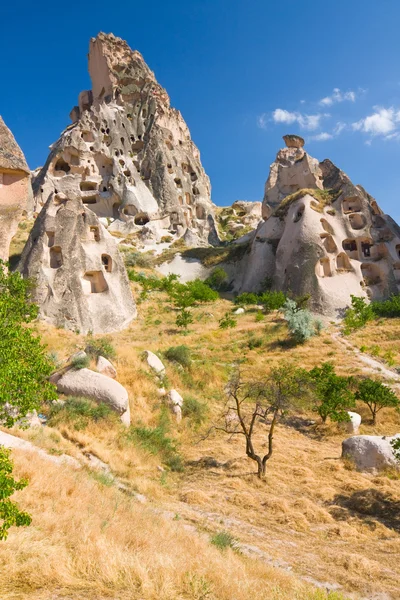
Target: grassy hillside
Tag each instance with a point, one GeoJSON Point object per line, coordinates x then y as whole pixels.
{"type": "Point", "coordinates": [313, 521]}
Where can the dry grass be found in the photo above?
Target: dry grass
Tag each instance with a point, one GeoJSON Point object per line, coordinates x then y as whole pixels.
{"type": "Point", "coordinates": [313, 512]}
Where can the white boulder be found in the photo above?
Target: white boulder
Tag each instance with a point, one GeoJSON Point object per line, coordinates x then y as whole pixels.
{"type": "Point", "coordinates": [98, 387]}
{"type": "Point", "coordinates": [353, 425]}
{"type": "Point", "coordinates": [175, 402]}
{"type": "Point", "coordinates": [370, 452]}
{"type": "Point", "coordinates": [239, 311]}
{"type": "Point", "coordinates": [105, 367]}
{"type": "Point", "coordinates": [154, 362]}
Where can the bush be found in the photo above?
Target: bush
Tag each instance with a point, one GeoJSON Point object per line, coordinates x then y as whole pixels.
{"type": "Point", "coordinates": [300, 322]}
{"type": "Point", "coordinates": [79, 412]}
{"type": "Point", "coordinates": [259, 316]}
{"type": "Point", "coordinates": [138, 259]}
{"type": "Point", "coordinates": [10, 515]}
{"type": "Point", "coordinates": [376, 396]}
{"type": "Point", "coordinates": [332, 392]}
{"type": "Point", "coordinates": [96, 347]}
{"type": "Point", "coordinates": [224, 540]}
{"type": "Point", "coordinates": [272, 300]}
{"type": "Point", "coordinates": [195, 410]}
{"type": "Point", "coordinates": [184, 319]}
{"type": "Point", "coordinates": [387, 308]}
{"type": "Point", "coordinates": [80, 362]}
{"type": "Point", "coordinates": [358, 315]}
{"type": "Point", "coordinates": [227, 322]}
{"type": "Point", "coordinates": [201, 292]}
{"type": "Point", "coordinates": [179, 354]}
{"type": "Point", "coordinates": [218, 279]}
{"type": "Point", "coordinates": [247, 298]}
{"type": "Point", "coordinates": [254, 343]}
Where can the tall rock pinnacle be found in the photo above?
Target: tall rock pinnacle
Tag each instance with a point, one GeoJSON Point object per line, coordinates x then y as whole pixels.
{"type": "Point", "coordinates": [128, 153]}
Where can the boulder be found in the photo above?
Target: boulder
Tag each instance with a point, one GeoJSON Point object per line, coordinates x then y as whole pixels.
{"type": "Point", "coordinates": [154, 362]}
{"type": "Point", "coordinates": [353, 425]}
{"type": "Point", "coordinates": [95, 386]}
{"type": "Point", "coordinates": [370, 452]}
{"type": "Point", "coordinates": [239, 311]}
{"type": "Point", "coordinates": [105, 367]}
{"type": "Point", "coordinates": [175, 402]}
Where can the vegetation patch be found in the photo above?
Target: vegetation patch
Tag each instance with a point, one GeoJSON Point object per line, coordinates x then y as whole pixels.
{"type": "Point", "coordinates": [211, 256]}
{"type": "Point", "coordinates": [323, 198]}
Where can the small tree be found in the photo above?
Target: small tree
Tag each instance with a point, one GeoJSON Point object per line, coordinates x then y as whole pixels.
{"type": "Point", "coordinates": [24, 362]}
{"type": "Point", "coordinates": [300, 322]}
{"type": "Point", "coordinates": [227, 322]}
{"type": "Point", "coordinates": [333, 394]}
{"type": "Point", "coordinates": [358, 315]}
{"type": "Point", "coordinates": [10, 515]}
{"type": "Point", "coordinates": [376, 396]}
{"type": "Point", "coordinates": [255, 404]}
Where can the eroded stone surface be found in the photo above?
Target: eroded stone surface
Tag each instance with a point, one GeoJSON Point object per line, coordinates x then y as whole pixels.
{"type": "Point", "coordinates": [321, 235]}
{"type": "Point", "coordinates": [15, 188]}
{"type": "Point", "coordinates": [370, 452]}
{"type": "Point", "coordinates": [81, 281]}
{"type": "Point", "coordinates": [128, 153]}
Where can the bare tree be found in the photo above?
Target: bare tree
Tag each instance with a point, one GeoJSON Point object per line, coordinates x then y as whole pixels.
{"type": "Point", "coordinates": [253, 403]}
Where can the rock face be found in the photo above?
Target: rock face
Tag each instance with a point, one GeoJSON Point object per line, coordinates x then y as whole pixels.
{"type": "Point", "coordinates": [370, 452]}
{"type": "Point", "coordinates": [15, 188]}
{"type": "Point", "coordinates": [128, 153]}
{"type": "Point", "coordinates": [81, 278]}
{"type": "Point", "coordinates": [98, 387]}
{"type": "Point", "coordinates": [321, 235]}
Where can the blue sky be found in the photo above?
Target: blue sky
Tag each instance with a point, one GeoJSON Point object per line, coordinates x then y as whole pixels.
{"type": "Point", "coordinates": [243, 73]}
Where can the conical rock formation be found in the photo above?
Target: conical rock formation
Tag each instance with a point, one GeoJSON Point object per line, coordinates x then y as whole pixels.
{"type": "Point", "coordinates": [128, 154]}
{"type": "Point", "coordinates": [81, 281]}
{"type": "Point", "coordinates": [321, 236]}
{"type": "Point", "coordinates": [15, 188]}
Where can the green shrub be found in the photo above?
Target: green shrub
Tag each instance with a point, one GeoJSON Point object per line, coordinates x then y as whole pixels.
{"type": "Point", "coordinates": [180, 354]}
{"type": "Point", "coordinates": [387, 308]}
{"type": "Point", "coordinates": [96, 347]}
{"type": "Point", "coordinates": [259, 316]}
{"type": "Point", "coordinates": [138, 259]}
{"type": "Point", "coordinates": [224, 540]}
{"type": "Point", "coordinates": [227, 322]}
{"type": "Point", "coordinates": [183, 319]}
{"type": "Point", "coordinates": [10, 515]}
{"type": "Point", "coordinates": [201, 292]}
{"type": "Point", "coordinates": [300, 322]}
{"type": "Point", "coordinates": [254, 343]}
{"type": "Point", "coordinates": [272, 300]}
{"type": "Point", "coordinates": [358, 315]}
{"type": "Point", "coordinates": [80, 412]}
{"type": "Point", "coordinates": [218, 279]}
{"type": "Point", "coordinates": [247, 298]}
{"type": "Point", "coordinates": [80, 362]}
{"type": "Point", "coordinates": [333, 394]}
{"type": "Point", "coordinates": [376, 396]}
{"type": "Point", "coordinates": [194, 410]}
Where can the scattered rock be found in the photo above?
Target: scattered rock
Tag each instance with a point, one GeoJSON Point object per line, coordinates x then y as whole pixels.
{"type": "Point", "coordinates": [239, 311]}
{"type": "Point", "coordinates": [353, 425]}
{"type": "Point", "coordinates": [98, 387]}
{"type": "Point", "coordinates": [162, 392]}
{"type": "Point", "coordinates": [11, 441]}
{"type": "Point", "coordinates": [105, 367]}
{"type": "Point", "coordinates": [175, 402]}
{"type": "Point", "coordinates": [154, 362]}
{"type": "Point", "coordinates": [370, 452]}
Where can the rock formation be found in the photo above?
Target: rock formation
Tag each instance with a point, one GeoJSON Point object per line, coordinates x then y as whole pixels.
{"type": "Point", "coordinates": [81, 281]}
{"type": "Point", "coordinates": [370, 452]}
{"type": "Point", "coordinates": [321, 236]}
{"type": "Point", "coordinates": [128, 153]}
{"type": "Point", "coordinates": [15, 188]}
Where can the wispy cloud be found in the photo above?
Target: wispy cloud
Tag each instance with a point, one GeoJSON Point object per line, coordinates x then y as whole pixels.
{"type": "Point", "coordinates": [321, 137]}
{"type": "Point", "coordinates": [338, 96]}
{"type": "Point", "coordinates": [307, 122]}
{"type": "Point", "coordinates": [383, 122]}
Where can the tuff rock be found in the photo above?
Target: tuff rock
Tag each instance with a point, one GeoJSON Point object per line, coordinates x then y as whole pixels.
{"type": "Point", "coordinates": [81, 281]}
{"type": "Point", "coordinates": [321, 235]}
{"type": "Point", "coordinates": [128, 153]}
{"type": "Point", "coordinates": [370, 452]}
{"type": "Point", "coordinates": [15, 188]}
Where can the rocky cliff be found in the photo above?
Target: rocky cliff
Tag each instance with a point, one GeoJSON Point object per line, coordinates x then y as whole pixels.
{"type": "Point", "coordinates": [128, 153]}
{"type": "Point", "coordinates": [15, 188]}
{"type": "Point", "coordinates": [321, 235]}
{"type": "Point", "coordinates": [81, 281]}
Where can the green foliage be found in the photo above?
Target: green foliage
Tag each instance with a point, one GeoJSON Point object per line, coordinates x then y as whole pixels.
{"type": "Point", "coordinates": [396, 448]}
{"type": "Point", "coordinates": [201, 292]}
{"type": "Point", "coordinates": [218, 280]}
{"type": "Point", "coordinates": [96, 347]}
{"type": "Point", "coordinates": [358, 315]}
{"type": "Point", "coordinates": [10, 515]}
{"type": "Point", "coordinates": [138, 259]}
{"type": "Point", "coordinates": [155, 440]}
{"type": "Point", "coordinates": [24, 362]}
{"type": "Point", "coordinates": [247, 298]}
{"type": "Point", "coordinates": [300, 322]}
{"type": "Point", "coordinates": [227, 321]}
{"type": "Point", "coordinates": [387, 308]}
{"type": "Point", "coordinates": [332, 392]}
{"type": "Point", "coordinates": [224, 540]}
{"type": "Point", "coordinates": [259, 316]}
{"type": "Point", "coordinates": [376, 396]}
{"type": "Point", "coordinates": [80, 412]}
{"type": "Point", "coordinates": [254, 342]}
{"type": "Point", "coordinates": [180, 354]}
{"type": "Point", "coordinates": [272, 300]}
{"type": "Point", "coordinates": [80, 362]}
{"type": "Point", "coordinates": [183, 319]}
{"type": "Point", "coordinates": [194, 410]}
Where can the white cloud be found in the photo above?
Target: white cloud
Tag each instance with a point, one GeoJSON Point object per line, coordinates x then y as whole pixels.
{"type": "Point", "coordinates": [321, 137]}
{"type": "Point", "coordinates": [338, 96]}
{"type": "Point", "coordinates": [339, 128]}
{"type": "Point", "coordinates": [262, 121]}
{"type": "Point", "coordinates": [384, 121]}
{"type": "Point", "coordinates": [308, 122]}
